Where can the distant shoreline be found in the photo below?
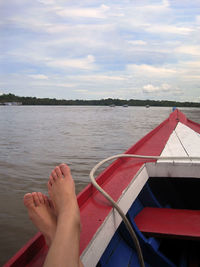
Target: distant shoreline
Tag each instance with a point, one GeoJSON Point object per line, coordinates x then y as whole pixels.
{"type": "Point", "coordinates": [11, 99]}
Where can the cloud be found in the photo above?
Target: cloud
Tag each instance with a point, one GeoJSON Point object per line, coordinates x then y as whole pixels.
{"type": "Point", "coordinates": [64, 84]}
{"type": "Point", "coordinates": [189, 70]}
{"type": "Point", "coordinates": [149, 88]}
{"type": "Point", "coordinates": [39, 76]}
{"type": "Point", "coordinates": [47, 2]}
{"type": "Point", "coordinates": [72, 49]}
{"type": "Point", "coordinates": [145, 69]}
{"type": "Point", "coordinates": [86, 63]}
{"type": "Point", "coordinates": [198, 19]}
{"type": "Point", "coordinates": [81, 91]}
{"type": "Point", "coordinates": [100, 77]}
{"type": "Point", "coordinates": [99, 13]}
{"type": "Point", "coordinates": [137, 42]}
{"type": "Point", "coordinates": [169, 29]}
{"type": "Point", "coordinates": [193, 50]}
{"type": "Point", "coordinates": [163, 88]}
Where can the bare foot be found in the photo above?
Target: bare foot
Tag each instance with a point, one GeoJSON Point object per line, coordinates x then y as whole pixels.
{"type": "Point", "coordinates": [62, 192]}
{"type": "Point", "coordinates": [42, 214]}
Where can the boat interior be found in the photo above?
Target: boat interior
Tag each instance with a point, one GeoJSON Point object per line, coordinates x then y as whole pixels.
{"type": "Point", "coordinates": [169, 206]}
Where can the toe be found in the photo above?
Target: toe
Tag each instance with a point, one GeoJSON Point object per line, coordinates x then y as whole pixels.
{"type": "Point", "coordinates": [50, 203]}
{"type": "Point", "coordinates": [46, 201]}
{"type": "Point", "coordinates": [36, 199]}
{"type": "Point", "coordinates": [51, 180]}
{"type": "Point", "coordinates": [49, 184]}
{"type": "Point", "coordinates": [41, 197]}
{"type": "Point", "coordinates": [28, 201]}
{"type": "Point", "coordinates": [54, 175]}
{"type": "Point", "coordinates": [58, 172]}
{"type": "Point", "coordinates": [65, 169]}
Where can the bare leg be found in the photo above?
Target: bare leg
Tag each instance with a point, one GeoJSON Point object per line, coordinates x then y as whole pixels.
{"type": "Point", "coordinates": [41, 214]}
{"type": "Point", "coordinates": [64, 250]}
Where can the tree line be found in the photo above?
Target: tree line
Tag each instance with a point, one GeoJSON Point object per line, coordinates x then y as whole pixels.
{"type": "Point", "coordinates": [103, 102]}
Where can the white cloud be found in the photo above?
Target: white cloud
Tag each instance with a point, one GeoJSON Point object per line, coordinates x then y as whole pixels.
{"type": "Point", "coordinates": [197, 99]}
{"type": "Point", "coordinates": [194, 65]}
{"type": "Point", "coordinates": [189, 70]}
{"type": "Point", "coordinates": [39, 76]}
{"type": "Point", "coordinates": [189, 77]}
{"type": "Point", "coordinates": [149, 88]}
{"type": "Point", "coordinates": [47, 2]}
{"type": "Point", "coordinates": [166, 87]}
{"type": "Point", "coordinates": [81, 91]}
{"type": "Point", "coordinates": [166, 3]}
{"type": "Point", "coordinates": [137, 42]}
{"type": "Point", "coordinates": [57, 28]}
{"type": "Point", "coordinates": [163, 88]}
{"type": "Point", "coordinates": [169, 29]}
{"type": "Point", "coordinates": [193, 50]}
{"type": "Point", "coordinates": [100, 77]}
{"type": "Point", "coordinates": [150, 70]}
{"type": "Point", "coordinates": [198, 19]}
{"type": "Point", "coordinates": [99, 13]}
{"type": "Point", "coordinates": [151, 8]}
{"type": "Point", "coordinates": [86, 63]}
{"type": "Point", "coordinates": [64, 84]}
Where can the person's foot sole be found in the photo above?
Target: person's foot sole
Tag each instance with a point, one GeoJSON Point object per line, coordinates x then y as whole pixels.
{"type": "Point", "coordinates": [41, 213]}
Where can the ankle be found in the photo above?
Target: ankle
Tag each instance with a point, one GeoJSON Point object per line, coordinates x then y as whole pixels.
{"type": "Point", "coordinates": [72, 217]}
{"type": "Point", "coordinates": [48, 241]}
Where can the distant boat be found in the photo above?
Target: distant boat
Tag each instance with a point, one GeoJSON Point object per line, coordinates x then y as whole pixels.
{"type": "Point", "coordinates": [125, 106]}
{"type": "Point", "coordinates": [147, 106]}
{"type": "Point", "coordinates": [12, 103]}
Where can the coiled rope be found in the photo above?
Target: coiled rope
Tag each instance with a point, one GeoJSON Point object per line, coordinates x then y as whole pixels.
{"type": "Point", "coordinates": [115, 205]}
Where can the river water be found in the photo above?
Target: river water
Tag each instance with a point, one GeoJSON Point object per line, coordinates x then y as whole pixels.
{"type": "Point", "coordinates": [34, 139]}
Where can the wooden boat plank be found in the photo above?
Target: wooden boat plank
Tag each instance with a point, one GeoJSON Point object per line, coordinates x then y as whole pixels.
{"type": "Point", "coordinates": [178, 170]}
{"type": "Point", "coordinates": [166, 222]}
{"type": "Point", "coordinates": [174, 148]}
{"type": "Point", "coordinates": [189, 139]}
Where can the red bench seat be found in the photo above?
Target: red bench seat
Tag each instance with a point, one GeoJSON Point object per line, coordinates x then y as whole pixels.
{"type": "Point", "coordinates": [170, 223]}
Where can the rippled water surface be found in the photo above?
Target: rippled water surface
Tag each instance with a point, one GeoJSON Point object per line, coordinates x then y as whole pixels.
{"type": "Point", "coordinates": [34, 139]}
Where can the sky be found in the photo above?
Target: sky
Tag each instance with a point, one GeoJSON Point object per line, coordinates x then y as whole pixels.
{"type": "Point", "coordinates": [91, 49]}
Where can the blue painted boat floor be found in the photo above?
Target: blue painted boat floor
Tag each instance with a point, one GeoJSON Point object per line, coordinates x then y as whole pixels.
{"type": "Point", "coordinates": [121, 250]}
{"type": "Point", "coordinates": [119, 254]}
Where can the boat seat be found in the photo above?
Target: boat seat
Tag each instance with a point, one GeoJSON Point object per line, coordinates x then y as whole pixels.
{"type": "Point", "coordinates": [169, 223]}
